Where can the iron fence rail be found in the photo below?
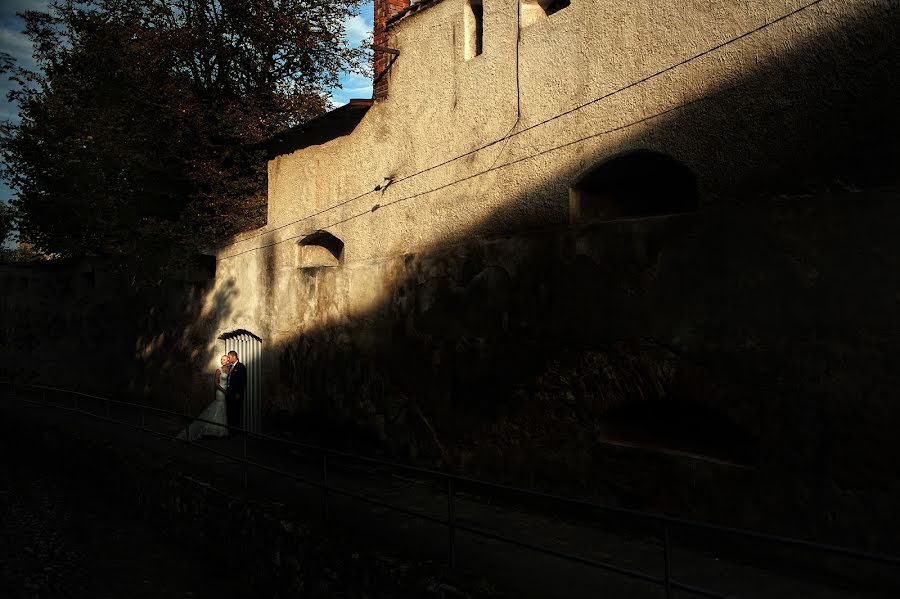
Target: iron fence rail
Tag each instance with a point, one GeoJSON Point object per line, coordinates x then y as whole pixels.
{"type": "Point", "coordinates": [666, 523]}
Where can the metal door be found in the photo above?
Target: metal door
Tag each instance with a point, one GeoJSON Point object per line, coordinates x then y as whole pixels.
{"type": "Point", "coordinates": [249, 350]}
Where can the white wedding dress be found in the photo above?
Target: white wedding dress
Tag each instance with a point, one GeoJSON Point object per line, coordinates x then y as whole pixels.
{"type": "Point", "coordinates": [214, 413]}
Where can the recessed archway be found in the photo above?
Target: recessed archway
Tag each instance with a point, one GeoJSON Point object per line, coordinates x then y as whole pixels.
{"type": "Point", "coordinates": [636, 184]}
{"type": "Point", "coordinates": [319, 249]}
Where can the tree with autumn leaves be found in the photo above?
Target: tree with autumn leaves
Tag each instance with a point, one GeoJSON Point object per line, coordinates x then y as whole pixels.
{"type": "Point", "coordinates": [143, 129]}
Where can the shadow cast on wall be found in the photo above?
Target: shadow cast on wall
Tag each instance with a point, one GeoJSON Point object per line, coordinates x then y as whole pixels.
{"type": "Point", "coordinates": [764, 320]}
{"type": "Point", "coordinates": [763, 324]}
{"type": "Point", "coordinates": [82, 324]}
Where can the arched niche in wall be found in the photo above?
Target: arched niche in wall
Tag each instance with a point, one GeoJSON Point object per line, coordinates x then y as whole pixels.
{"type": "Point", "coordinates": [319, 249]}
{"type": "Point", "coordinates": [533, 11]}
{"type": "Point", "coordinates": [640, 183]}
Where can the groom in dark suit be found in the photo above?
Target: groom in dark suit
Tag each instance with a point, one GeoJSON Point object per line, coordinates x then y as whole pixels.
{"type": "Point", "coordinates": [234, 391]}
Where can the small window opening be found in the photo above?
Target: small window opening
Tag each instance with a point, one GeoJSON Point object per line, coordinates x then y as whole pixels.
{"type": "Point", "coordinates": [319, 249]}
{"type": "Point", "coordinates": [642, 183]}
{"type": "Point", "coordinates": [474, 26]}
{"type": "Point", "coordinates": [532, 11]}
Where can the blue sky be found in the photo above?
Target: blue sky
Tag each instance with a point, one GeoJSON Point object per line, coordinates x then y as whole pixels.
{"type": "Point", "coordinates": [14, 42]}
{"type": "Point", "coordinates": [355, 86]}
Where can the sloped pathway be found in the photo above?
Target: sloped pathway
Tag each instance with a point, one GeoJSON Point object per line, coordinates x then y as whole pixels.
{"type": "Point", "coordinates": [484, 566]}
{"type": "Point", "coordinates": [60, 541]}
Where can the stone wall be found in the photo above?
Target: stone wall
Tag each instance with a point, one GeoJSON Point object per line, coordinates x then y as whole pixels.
{"type": "Point", "coordinates": [81, 324]}
{"type": "Point", "coordinates": [733, 363]}
{"type": "Point", "coordinates": [757, 340]}
{"type": "Point", "coordinates": [730, 363]}
{"type": "Point", "coordinates": [755, 110]}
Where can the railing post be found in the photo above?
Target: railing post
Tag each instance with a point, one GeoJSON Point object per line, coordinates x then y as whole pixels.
{"type": "Point", "coordinates": [667, 555]}
{"type": "Point", "coordinates": [325, 487]}
{"type": "Point", "coordinates": [246, 466]}
{"type": "Point", "coordinates": [143, 429]}
{"type": "Point", "coordinates": [451, 522]}
{"type": "Point", "coordinates": [75, 398]}
{"type": "Point", "coordinates": [107, 408]}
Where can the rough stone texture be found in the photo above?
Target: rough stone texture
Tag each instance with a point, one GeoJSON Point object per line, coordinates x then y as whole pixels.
{"type": "Point", "coordinates": [470, 323]}
{"type": "Point", "coordinates": [502, 358]}
{"type": "Point", "coordinates": [794, 104]}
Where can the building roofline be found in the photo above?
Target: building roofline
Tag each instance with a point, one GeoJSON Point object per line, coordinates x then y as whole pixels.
{"type": "Point", "coordinates": [325, 127]}
{"type": "Point", "coordinates": [413, 8]}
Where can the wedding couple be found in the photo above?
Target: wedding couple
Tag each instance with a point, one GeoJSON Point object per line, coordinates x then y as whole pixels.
{"type": "Point", "coordinates": [230, 381]}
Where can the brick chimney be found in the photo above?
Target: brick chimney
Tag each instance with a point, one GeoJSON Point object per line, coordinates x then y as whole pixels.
{"type": "Point", "coordinates": [384, 10]}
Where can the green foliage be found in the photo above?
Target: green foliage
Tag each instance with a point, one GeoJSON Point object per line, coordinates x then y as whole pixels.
{"type": "Point", "coordinates": [7, 224]}
{"type": "Point", "coordinates": [9, 252]}
{"type": "Point", "coordinates": [142, 130]}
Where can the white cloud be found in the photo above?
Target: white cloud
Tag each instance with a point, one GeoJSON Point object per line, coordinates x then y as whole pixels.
{"type": "Point", "coordinates": [339, 97]}
{"type": "Point", "coordinates": [14, 6]}
{"type": "Point", "coordinates": [12, 40]}
{"type": "Point", "coordinates": [352, 86]}
{"type": "Point", "coordinates": [8, 111]}
{"type": "Point", "coordinates": [356, 30]}
{"type": "Point", "coordinates": [22, 5]}
{"type": "Point", "coordinates": [17, 45]}
{"type": "Point", "coordinates": [357, 90]}
{"type": "Point", "coordinates": [352, 79]}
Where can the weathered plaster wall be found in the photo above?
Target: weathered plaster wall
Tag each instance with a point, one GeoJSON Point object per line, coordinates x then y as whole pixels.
{"type": "Point", "coordinates": [503, 358]}
{"type": "Point", "coordinates": [515, 349]}
{"type": "Point", "coordinates": [791, 104]}
{"type": "Point", "coordinates": [470, 323]}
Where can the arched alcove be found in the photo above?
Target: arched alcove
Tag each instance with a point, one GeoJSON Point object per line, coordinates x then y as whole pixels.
{"type": "Point", "coordinates": [249, 350]}
{"type": "Point", "coordinates": [672, 425]}
{"type": "Point", "coordinates": [640, 183]}
{"type": "Point", "coordinates": [319, 249]}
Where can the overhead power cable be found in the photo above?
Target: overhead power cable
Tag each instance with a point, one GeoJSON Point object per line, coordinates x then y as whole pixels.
{"type": "Point", "coordinates": [510, 135]}
{"type": "Point", "coordinates": [492, 168]}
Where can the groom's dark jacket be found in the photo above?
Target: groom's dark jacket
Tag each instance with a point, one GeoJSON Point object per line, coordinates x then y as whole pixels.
{"type": "Point", "coordinates": [237, 381]}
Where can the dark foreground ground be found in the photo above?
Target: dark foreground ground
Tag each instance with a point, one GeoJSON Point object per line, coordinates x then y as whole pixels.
{"type": "Point", "coordinates": [59, 537]}
{"type": "Point", "coordinates": [60, 540]}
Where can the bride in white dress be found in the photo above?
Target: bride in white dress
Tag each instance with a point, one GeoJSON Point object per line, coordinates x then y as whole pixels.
{"type": "Point", "coordinates": [210, 419]}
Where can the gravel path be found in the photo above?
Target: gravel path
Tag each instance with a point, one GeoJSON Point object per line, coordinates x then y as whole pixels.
{"type": "Point", "coordinates": [58, 540]}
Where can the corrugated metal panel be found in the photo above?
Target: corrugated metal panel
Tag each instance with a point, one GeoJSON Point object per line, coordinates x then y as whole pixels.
{"type": "Point", "coordinates": [249, 349]}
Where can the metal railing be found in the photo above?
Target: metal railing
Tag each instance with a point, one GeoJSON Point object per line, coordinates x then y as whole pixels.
{"type": "Point", "coordinates": [665, 524]}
